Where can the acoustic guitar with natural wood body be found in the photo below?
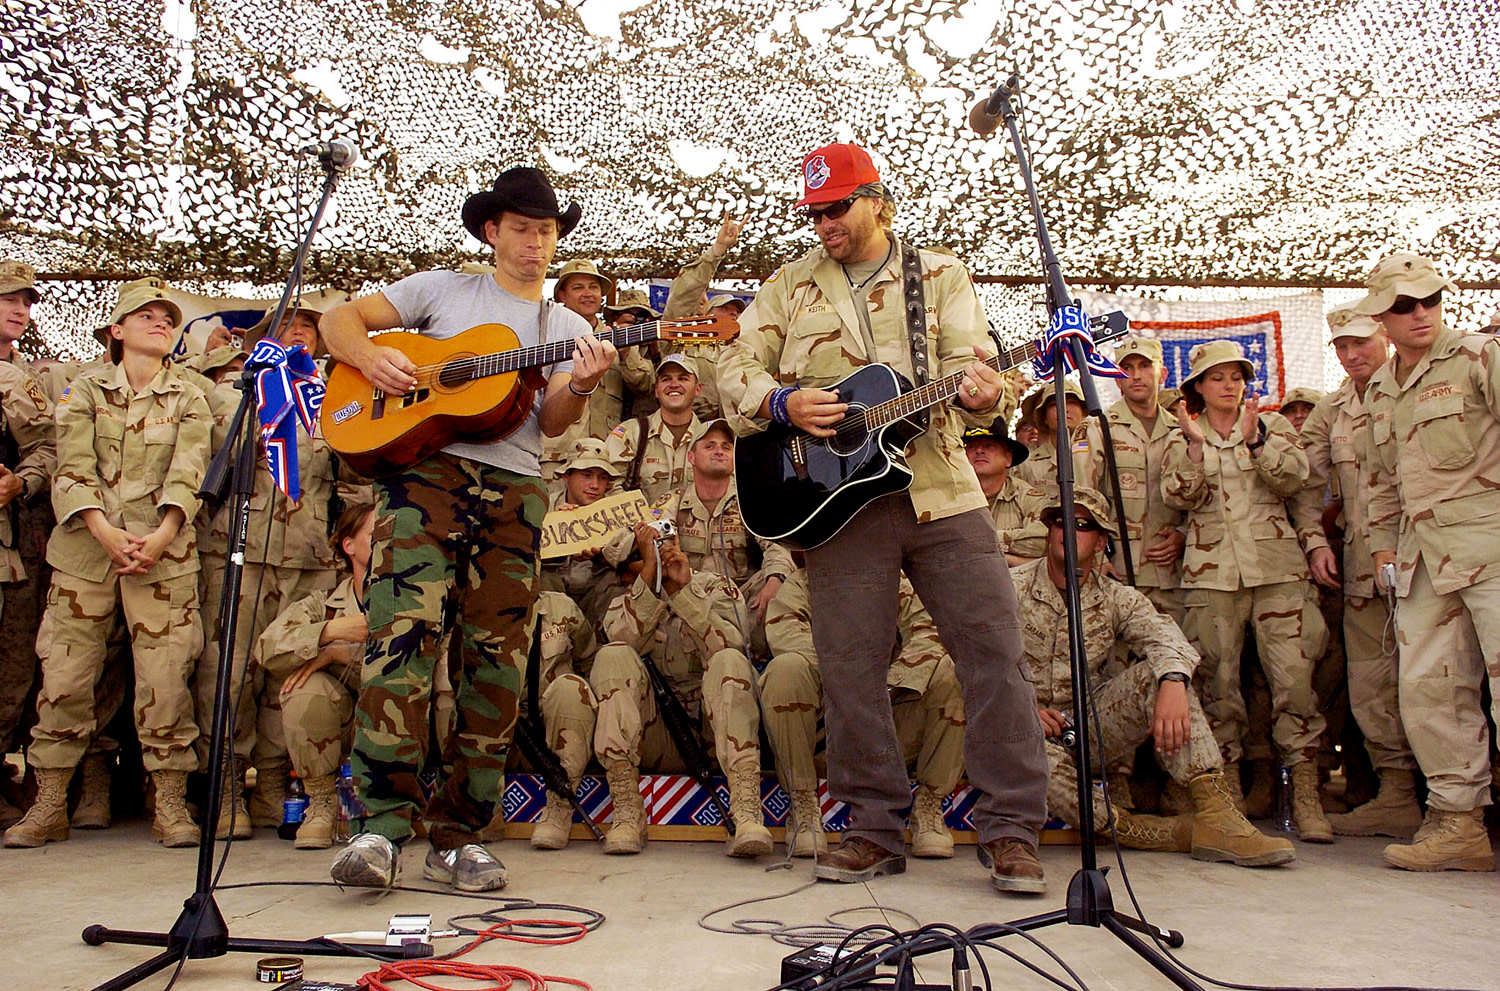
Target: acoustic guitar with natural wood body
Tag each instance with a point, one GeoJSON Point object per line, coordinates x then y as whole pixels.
{"type": "Point", "coordinates": [476, 386]}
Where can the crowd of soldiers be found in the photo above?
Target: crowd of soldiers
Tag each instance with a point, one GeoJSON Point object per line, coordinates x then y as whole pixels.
{"type": "Point", "coordinates": [1237, 520]}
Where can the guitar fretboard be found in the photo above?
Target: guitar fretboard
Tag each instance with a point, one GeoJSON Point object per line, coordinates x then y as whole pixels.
{"type": "Point", "coordinates": [941, 389]}
{"type": "Point", "coordinates": [538, 355]}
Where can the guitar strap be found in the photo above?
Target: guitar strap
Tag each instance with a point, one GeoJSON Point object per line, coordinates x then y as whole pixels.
{"type": "Point", "coordinates": [916, 323]}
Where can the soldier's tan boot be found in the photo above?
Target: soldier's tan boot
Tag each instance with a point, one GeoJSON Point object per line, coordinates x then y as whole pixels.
{"type": "Point", "coordinates": [92, 811]}
{"type": "Point", "coordinates": [804, 834]}
{"type": "Point", "coordinates": [929, 833]}
{"type": "Point", "coordinates": [1175, 800]}
{"type": "Point", "coordinates": [315, 832]}
{"type": "Point", "coordinates": [627, 831]}
{"type": "Point", "coordinates": [47, 819]}
{"type": "Point", "coordinates": [555, 827]}
{"type": "Point", "coordinates": [232, 800]}
{"type": "Point", "coordinates": [1307, 805]}
{"type": "Point", "coordinates": [1260, 800]}
{"type": "Point", "coordinates": [173, 825]}
{"type": "Point", "coordinates": [1392, 812]}
{"type": "Point", "coordinates": [267, 797]}
{"type": "Point", "coordinates": [1232, 783]}
{"type": "Point", "coordinates": [1169, 834]}
{"type": "Point", "coordinates": [751, 837]}
{"type": "Point", "coordinates": [1222, 834]}
{"type": "Point", "coordinates": [1452, 841]}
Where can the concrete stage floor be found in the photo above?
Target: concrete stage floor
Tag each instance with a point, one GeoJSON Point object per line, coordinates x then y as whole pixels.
{"type": "Point", "coordinates": [1335, 917]}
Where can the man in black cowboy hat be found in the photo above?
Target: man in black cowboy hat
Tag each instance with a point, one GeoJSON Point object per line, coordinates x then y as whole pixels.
{"type": "Point", "coordinates": [1015, 505]}
{"type": "Point", "coordinates": [455, 545]}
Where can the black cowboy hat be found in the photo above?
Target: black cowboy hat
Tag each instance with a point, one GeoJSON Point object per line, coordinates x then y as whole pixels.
{"type": "Point", "coordinates": [998, 431]}
{"type": "Point", "coordinates": [520, 190]}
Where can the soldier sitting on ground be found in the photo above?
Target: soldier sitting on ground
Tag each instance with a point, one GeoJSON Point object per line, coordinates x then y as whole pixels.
{"type": "Point", "coordinates": [1151, 700]}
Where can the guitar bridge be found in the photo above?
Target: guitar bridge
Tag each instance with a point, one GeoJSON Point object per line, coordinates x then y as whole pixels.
{"type": "Point", "coordinates": [377, 403]}
{"type": "Point", "coordinates": [799, 455]}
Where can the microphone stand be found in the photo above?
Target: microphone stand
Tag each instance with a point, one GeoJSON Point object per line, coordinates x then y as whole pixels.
{"type": "Point", "coordinates": [200, 932]}
{"type": "Point", "coordinates": [1089, 900]}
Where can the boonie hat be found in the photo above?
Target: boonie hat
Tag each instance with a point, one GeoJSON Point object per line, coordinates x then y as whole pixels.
{"type": "Point", "coordinates": [1301, 394]}
{"type": "Point", "coordinates": [1084, 498]}
{"type": "Point", "coordinates": [1211, 353]}
{"type": "Point", "coordinates": [1031, 405]}
{"type": "Point", "coordinates": [833, 172]}
{"type": "Point", "coordinates": [630, 299]}
{"type": "Point", "coordinates": [998, 431]}
{"type": "Point", "coordinates": [582, 266]}
{"type": "Point", "coordinates": [254, 334]}
{"type": "Point", "coordinates": [1401, 275]}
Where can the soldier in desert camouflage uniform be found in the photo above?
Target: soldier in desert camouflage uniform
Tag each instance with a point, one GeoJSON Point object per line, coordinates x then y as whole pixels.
{"type": "Point", "coordinates": [312, 652]}
{"type": "Point", "coordinates": [1331, 438]}
{"type": "Point", "coordinates": [1432, 453]}
{"type": "Point", "coordinates": [135, 445]}
{"type": "Point", "coordinates": [1231, 469]}
{"type": "Point", "coordinates": [662, 468]}
{"type": "Point", "coordinates": [1150, 700]}
{"type": "Point", "coordinates": [1014, 504]}
{"type": "Point", "coordinates": [692, 631]}
{"type": "Point", "coordinates": [689, 298]}
{"type": "Point", "coordinates": [926, 704]}
{"type": "Point", "coordinates": [1039, 409]}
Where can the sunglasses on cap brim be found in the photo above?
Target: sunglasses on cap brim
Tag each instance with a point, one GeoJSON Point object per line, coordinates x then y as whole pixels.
{"type": "Point", "coordinates": [1405, 304]}
{"type": "Point", "coordinates": [833, 211]}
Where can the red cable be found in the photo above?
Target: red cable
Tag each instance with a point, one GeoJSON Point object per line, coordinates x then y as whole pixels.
{"type": "Point", "coordinates": [409, 971]}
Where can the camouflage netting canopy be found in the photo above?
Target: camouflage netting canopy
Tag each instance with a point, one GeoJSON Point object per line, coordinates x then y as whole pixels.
{"type": "Point", "coordinates": [1242, 141]}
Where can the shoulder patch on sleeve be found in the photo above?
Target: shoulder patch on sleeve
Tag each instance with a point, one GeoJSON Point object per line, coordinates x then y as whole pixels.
{"type": "Point", "coordinates": [774, 276]}
{"type": "Point", "coordinates": [619, 431]}
{"type": "Point", "coordinates": [65, 394]}
{"type": "Point", "coordinates": [1081, 445]}
{"type": "Point", "coordinates": [35, 392]}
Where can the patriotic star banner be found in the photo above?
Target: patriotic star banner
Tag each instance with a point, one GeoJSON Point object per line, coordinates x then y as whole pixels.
{"type": "Point", "coordinates": [1283, 335]}
{"type": "Point", "coordinates": [288, 391]}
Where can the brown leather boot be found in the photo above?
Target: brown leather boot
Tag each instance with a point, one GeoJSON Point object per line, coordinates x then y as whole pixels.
{"type": "Point", "coordinates": [1261, 798]}
{"type": "Point", "coordinates": [267, 797]}
{"type": "Point", "coordinates": [858, 859]}
{"type": "Point", "coordinates": [1013, 866]}
{"type": "Point", "coordinates": [47, 819]}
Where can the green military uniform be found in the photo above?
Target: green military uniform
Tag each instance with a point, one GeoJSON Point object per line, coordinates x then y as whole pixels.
{"type": "Point", "coordinates": [131, 455]}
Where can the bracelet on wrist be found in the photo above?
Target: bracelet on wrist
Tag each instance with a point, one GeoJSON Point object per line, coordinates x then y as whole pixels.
{"type": "Point", "coordinates": [581, 394]}
{"type": "Point", "coordinates": [777, 402]}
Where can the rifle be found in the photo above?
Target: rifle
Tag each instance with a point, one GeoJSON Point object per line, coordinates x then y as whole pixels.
{"type": "Point", "coordinates": [531, 736]}
{"type": "Point", "coordinates": [10, 457]}
{"type": "Point", "coordinates": [680, 727]}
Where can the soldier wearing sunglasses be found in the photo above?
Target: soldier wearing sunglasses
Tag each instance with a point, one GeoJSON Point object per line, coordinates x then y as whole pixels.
{"type": "Point", "coordinates": [1433, 451]}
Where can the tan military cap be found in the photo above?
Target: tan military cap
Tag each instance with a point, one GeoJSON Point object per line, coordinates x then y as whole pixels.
{"type": "Point", "coordinates": [1347, 322]}
{"type": "Point", "coordinates": [1147, 347]}
{"type": "Point", "coordinates": [1031, 405]}
{"type": "Point", "coordinates": [1301, 394]}
{"type": "Point", "coordinates": [1084, 498]}
{"type": "Point", "coordinates": [1401, 275]}
{"type": "Point", "coordinates": [689, 365]}
{"type": "Point", "coordinates": [1211, 353]}
{"type": "Point", "coordinates": [704, 428]}
{"type": "Point", "coordinates": [582, 266]}
{"type": "Point", "coordinates": [15, 276]}
{"type": "Point", "coordinates": [135, 295]}
{"type": "Point", "coordinates": [214, 360]}
{"type": "Point", "coordinates": [631, 299]}
{"type": "Point", "coordinates": [589, 453]}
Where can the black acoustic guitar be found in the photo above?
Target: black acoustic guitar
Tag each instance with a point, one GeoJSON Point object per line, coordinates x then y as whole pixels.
{"type": "Point", "coordinates": [800, 490]}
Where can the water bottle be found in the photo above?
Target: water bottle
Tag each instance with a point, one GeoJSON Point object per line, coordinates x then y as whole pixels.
{"type": "Point", "coordinates": [350, 807]}
{"type": "Point", "coordinates": [293, 808]}
{"type": "Point", "coordinates": [1284, 798]}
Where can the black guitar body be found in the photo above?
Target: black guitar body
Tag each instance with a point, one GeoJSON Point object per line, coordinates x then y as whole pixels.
{"type": "Point", "coordinates": [800, 490]}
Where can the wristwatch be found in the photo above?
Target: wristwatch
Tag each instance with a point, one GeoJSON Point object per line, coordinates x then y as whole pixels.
{"type": "Point", "coordinates": [1176, 676]}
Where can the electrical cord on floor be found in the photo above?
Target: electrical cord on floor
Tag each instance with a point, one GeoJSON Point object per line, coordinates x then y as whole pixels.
{"type": "Point", "coordinates": [801, 936]}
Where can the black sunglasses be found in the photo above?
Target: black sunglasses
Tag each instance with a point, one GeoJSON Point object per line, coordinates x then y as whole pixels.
{"type": "Point", "coordinates": [833, 211]}
{"type": "Point", "coordinates": [1405, 304]}
{"type": "Point", "coordinates": [1080, 525]}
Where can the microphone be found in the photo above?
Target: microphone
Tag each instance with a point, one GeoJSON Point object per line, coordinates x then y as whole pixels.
{"type": "Point", "coordinates": [338, 153]}
{"type": "Point", "coordinates": [985, 116]}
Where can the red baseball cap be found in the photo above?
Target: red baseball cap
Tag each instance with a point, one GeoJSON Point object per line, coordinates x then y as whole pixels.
{"type": "Point", "coordinates": [833, 172]}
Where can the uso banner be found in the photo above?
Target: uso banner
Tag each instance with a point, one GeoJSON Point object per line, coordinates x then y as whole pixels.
{"type": "Point", "coordinates": [1283, 335]}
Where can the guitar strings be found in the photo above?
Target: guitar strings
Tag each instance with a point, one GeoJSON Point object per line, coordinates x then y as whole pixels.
{"type": "Point", "coordinates": [564, 348]}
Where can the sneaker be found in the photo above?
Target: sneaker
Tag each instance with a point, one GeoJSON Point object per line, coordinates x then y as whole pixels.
{"type": "Point", "coordinates": [469, 868]}
{"type": "Point", "coordinates": [369, 861]}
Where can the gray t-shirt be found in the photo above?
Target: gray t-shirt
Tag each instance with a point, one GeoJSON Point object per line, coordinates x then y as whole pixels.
{"type": "Point", "coordinates": [445, 304]}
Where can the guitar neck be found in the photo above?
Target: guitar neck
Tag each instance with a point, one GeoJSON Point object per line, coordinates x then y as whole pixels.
{"type": "Point", "coordinates": [539, 355]}
{"type": "Point", "coordinates": [943, 389]}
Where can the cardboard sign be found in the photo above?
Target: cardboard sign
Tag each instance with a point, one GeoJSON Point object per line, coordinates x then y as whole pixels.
{"type": "Point", "coordinates": [568, 531]}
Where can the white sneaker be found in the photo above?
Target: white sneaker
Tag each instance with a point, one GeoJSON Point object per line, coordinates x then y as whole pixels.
{"type": "Point", "coordinates": [369, 861]}
{"type": "Point", "coordinates": [469, 868]}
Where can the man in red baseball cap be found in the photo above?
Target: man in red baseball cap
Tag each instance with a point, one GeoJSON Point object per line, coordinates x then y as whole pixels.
{"type": "Point", "coordinates": [814, 323]}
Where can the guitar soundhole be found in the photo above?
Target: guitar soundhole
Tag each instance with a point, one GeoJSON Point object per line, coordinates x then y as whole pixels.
{"type": "Point", "coordinates": [456, 373]}
{"type": "Point", "coordinates": [850, 433]}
